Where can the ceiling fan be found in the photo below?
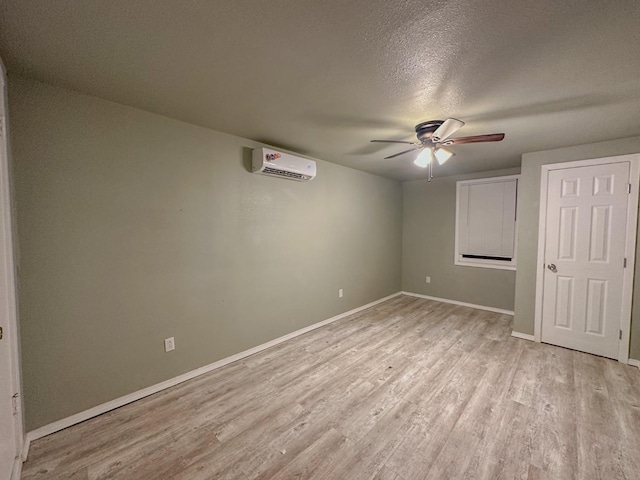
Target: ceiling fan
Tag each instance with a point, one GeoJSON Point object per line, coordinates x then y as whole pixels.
{"type": "Point", "coordinates": [433, 136]}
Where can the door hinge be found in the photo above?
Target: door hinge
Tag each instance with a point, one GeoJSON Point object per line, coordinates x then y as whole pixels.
{"type": "Point", "coordinates": [628, 188]}
{"type": "Point", "coordinates": [620, 335]}
{"type": "Point", "coordinates": [14, 403]}
{"type": "Point", "coordinates": [624, 265]}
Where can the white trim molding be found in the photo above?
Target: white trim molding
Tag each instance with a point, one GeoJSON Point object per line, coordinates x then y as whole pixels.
{"type": "Point", "coordinates": [145, 392]}
{"type": "Point", "coordinates": [25, 448]}
{"type": "Point", "coordinates": [630, 243]}
{"type": "Point", "coordinates": [633, 362]}
{"type": "Point", "coordinates": [523, 336]}
{"type": "Point", "coordinates": [456, 302]}
{"type": "Point", "coordinates": [8, 281]}
{"type": "Point", "coordinates": [16, 472]}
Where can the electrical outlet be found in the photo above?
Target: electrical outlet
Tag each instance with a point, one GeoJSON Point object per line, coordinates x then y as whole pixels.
{"type": "Point", "coordinates": [428, 279]}
{"type": "Point", "coordinates": [340, 293]}
{"type": "Point", "coordinates": [169, 344]}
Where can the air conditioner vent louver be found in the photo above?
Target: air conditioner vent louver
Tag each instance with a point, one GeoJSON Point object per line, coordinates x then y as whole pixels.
{"type": "Point", "coordinates": [282, 173]}
{"type": "Point", "coordinates": [283, 165]}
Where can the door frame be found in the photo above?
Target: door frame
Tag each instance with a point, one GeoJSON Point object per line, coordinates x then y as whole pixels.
{"type": "Point", "coordinates": [630, 243]}
{"type": "Point", "coordinates": [8, 273]}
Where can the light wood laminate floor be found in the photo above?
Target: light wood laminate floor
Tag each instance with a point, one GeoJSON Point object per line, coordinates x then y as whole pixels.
{"type": "Point", "coordinates": [409, 389]}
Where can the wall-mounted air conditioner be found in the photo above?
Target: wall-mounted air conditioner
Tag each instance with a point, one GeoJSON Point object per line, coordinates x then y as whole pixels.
{"type": "Point", "coordinates": [284, 165]}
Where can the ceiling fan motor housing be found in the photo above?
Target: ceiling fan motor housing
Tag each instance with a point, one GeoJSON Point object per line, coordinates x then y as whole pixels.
{"type": "Point", "coordinates": [424, 130]}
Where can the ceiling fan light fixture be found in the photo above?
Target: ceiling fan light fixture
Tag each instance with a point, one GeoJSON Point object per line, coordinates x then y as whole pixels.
{"type": "Point", "coordinates": [424, 158]}
{"type": "Point", "coordinates": [442, 155]}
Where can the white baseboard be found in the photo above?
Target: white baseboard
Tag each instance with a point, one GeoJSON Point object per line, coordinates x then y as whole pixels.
{"type": "Point", "coordinates": [523, 336]}
{"type": "Point", "coordinates": [145, 392]}
{"type": "Point", "coordinates": [455, 302]}
{"type": "Point", "coordinates": [635, 363]}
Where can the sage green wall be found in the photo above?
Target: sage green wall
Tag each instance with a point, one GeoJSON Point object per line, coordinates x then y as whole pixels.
{"type": "Point", "coordinates": [528, 215]}
{"type": "Point", "coordinates": [428, 238]}
{"type": "Point", "coordinates": [133, 227]}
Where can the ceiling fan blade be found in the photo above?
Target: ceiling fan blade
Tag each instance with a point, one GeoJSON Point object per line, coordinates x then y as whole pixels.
{"type": "Point", "coordinates": [448, 128]}
{"type": "Point", "coordinates": [401, 153]}
{"type": "Point", "coordinates": [492, 137]}
{"type": "Point", "coordinates": [393, 141]}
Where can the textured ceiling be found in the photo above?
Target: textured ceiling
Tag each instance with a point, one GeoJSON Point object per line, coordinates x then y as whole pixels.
{"type": "Point", "coordinates": [323, 78]}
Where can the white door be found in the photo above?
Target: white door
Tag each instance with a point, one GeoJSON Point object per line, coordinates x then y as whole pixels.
{"type": "Point", "coordinates": [10, 424]}
{"type": "Point", "coordinates": [584, 257]}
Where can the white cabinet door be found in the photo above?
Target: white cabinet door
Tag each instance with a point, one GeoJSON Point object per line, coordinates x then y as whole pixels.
{"type": "Point", "coordinates": [584, 256]}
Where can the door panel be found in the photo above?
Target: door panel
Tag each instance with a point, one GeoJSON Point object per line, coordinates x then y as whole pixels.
{"type": "Point", "coordinates": [564, 302]}
{"type": "Point", "coordinates": [567, 238]}
{"type": "Point", "coordinates": [596, 300]}
{"type": "Point", "coordinates": [600, 233]}
{"type": "Point", "coordinates": [585, 241]}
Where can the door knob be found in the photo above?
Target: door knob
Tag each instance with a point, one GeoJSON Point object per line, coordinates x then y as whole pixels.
{"type": "Point", "coordinates": [552, 267]}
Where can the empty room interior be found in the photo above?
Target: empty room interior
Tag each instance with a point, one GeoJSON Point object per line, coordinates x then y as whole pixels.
{"type": "Point", "coordinates": [319, 240]}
